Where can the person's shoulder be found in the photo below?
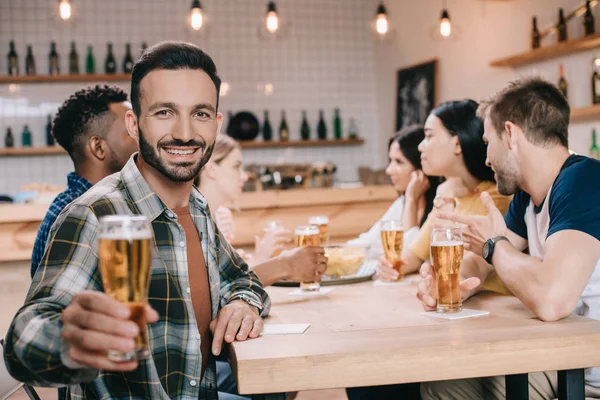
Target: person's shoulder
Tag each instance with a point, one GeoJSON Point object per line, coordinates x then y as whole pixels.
{"type": "Point", "coordinates": [578, 177]}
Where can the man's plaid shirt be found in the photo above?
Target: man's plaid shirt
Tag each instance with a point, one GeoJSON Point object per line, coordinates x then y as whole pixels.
{"type": "Point", "coordinates": [35, 352]}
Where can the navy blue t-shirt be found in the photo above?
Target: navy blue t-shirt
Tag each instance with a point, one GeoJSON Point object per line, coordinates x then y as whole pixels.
{"type": "Point", "coordinates": [574, 200]}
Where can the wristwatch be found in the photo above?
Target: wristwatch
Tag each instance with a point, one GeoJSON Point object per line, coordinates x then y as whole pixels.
{"type": "Point", "coordinates": [248, 299]}
{"type": "Point", "coordinates": [488, 247]}
{"type": "Point", "coordinates": [439, 201]}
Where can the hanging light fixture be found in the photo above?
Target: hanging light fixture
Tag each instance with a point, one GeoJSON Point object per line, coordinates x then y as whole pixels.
{"type": "Point", "coordinates": [445, 25]}
{"type": "Point", "coordinates": [64, 8]}
{"type": "Point", "coordinates": [272, 20]}
{"type": "Point", "coordinates": [381, 20]}
{"type": "Point", "coordinates": [196, 17]}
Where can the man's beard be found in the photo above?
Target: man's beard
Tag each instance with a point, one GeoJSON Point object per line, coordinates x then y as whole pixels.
{"type": "Point", "coordinates": [507, 179]}
{"type": "Point", "coordinates": [184, 171]}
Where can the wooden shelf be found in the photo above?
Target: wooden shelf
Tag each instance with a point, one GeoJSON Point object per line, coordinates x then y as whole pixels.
{"type": "Point", "coordinates": [31, 151]}
{"type": "Point", "coordinates": [585, 113]}
{"type": "Point", "coordinates": [549, 52]}
{"type": "Point", "coordinates": [6, 79]}
{"type": "Point", "coordinates": [301, 143]}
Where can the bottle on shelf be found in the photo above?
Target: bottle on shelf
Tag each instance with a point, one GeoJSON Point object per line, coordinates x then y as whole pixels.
{"type": "Point", "coordinates": [9, 139]}
{"type": "Point", "coordinates": [90, 62]}
{"type": "Point", "coordinates": [321, 127]}
{"type": "Point", "coordinates": [128, 61]}
{"type": "Point", "coordinates": [110, 65]}
{"type": "Point", "coordinates": [26, 137]}
{"type": "Point", "coordinates": [589, 25]}
{"type": "Point", "coordinates": [13, 60]}
{"type": "Point", "coordinates": [562, 26]}
{"type": "Point", "coordinates": [594, 149]}
{"type": "Point", "coordinates": [267, 130]}
{"type": "Point", "coordinates": [29, 62]}
{"type": "Point", "coordinates": [49, 137]}
{"type": "Point", "coordinates": [144, 47]}
{"type": "Point", "coordinates": [304, 128]}
{"type": "Point", "coordinates": [352, 130]}
{"type": "Point", "coordinates": [53, 60]}
{"type": "Point", "coordinates": [536, 37]}
{"type": "Point", "coordinates": [562, 82]}
{"type": "Point", "coordinates": [284, 132]}
{"type": "Point", "coordinates": [337, 124]}
{"type": "Point", "coordinates": [73, 60]}
{"type": "Point", "coordinates": [596, 82]}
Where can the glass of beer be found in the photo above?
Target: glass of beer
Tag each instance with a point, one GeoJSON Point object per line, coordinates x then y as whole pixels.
{"type": "Point", "coordinates": [274, 226]}
{"type": "Point", "coordinates": [125, 260]}
{"type": "Point", "coordinates": [321, 222]}
{"type": "Point", "coordinates": [392, 238]}
{"type": "Point", "coordinates": [447, 250]}
{"type": "Point", "coordinates": [308, 236]}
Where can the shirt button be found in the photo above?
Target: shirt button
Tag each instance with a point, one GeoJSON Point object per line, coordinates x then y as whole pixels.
{"type": "Point", "coordinates": [198, 336]}
{"type": "Point", "coordinates": [188, 290]}
{"type": "Point", "coordinates": [182, 244]}
{"type": "Point", "coordinates": [192, 383]}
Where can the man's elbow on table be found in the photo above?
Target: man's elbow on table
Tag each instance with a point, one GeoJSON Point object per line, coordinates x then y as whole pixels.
{"type": "Point", "coordinates": [553, 305]}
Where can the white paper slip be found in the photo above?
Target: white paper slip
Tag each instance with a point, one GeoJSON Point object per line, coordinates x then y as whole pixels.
{"type": "Point", "coordinates": [284, 329]}
{"type": "Point", "coordinates": [403, 282]}
{"type": "Point", "coordinates": [465, 313]}
{"type": "Point", "coordinates": [323, 291]}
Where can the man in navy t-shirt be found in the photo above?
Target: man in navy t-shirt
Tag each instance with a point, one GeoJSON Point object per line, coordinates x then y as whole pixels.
{"type": "Point", "coordinates": [555, 214]}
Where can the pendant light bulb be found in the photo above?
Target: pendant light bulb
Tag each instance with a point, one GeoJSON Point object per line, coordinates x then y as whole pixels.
{"type": "Point", "coordinates": [65, 9]}
{"type": "Point", "coordinates": [381, 22]}
{"type": "Point", "coordinates": [272, 21]}
{"type": "Point", "coordinates": [445, 25]}
{"type": "Point", "coordinates": [196, 18]}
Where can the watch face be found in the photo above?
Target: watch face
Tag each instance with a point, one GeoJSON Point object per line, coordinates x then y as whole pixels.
{"type": "Point", "coordinates": [486, 250]}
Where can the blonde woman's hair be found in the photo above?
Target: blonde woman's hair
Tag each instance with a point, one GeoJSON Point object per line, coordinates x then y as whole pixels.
{"type": "Point", "coordinates": [224, 145]}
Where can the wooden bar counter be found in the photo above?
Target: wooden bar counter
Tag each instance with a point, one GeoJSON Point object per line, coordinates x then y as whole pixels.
{"type": "Point", "coordinates": [351, 212]}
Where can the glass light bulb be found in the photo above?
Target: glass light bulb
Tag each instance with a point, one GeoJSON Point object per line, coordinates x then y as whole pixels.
{"type": "Point", "coordinates": [382, 24]}
{"type": "Point", "coordinates": [65, 9]}
{"type": "Point", "coordinates": [445, 27]}
{"type": "Point", "coordinates": [196, 19]}
{"type": "Point", "coordinates": [272, 21]}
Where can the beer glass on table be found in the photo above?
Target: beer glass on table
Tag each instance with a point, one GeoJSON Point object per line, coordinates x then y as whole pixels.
{"type": "Point", "coordinates": [392, 238]}
{"type": "Point", "coordinates": [321, 222]}
{"type": "Point", "coordinates": [125, 261]}
{"type": "Point", "coordinates": [447, 250]}
{"type": "Point", "coordinates": [308, 236]}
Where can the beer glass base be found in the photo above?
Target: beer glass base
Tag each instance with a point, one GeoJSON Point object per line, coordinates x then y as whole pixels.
{"type": "Point", "coordinates": [310, 287]}
{"type": "Point", "coordinates": [448, 309]}
{"type": "Point", "coordinates": [120, 356]}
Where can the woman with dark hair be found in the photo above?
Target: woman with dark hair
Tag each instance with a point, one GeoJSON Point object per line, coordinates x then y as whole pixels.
{"type": "Point", "coordinates": [415, 190]}
{"type": "Point", "coordinates": [453, 148]}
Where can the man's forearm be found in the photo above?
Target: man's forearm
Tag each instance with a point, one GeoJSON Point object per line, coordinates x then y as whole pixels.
{"type": "Point", "coordinates": [475, 266]}
{"type": "Point", "coordinates": [271, 271]}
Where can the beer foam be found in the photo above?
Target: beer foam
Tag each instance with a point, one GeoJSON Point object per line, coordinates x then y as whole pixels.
{"type": "Point", "coordinates": [448, 243]}
{"type": "Point", "coordinates": [306, 230]}
{"type": "Point", "coordinates": [318, 220]}
{"type": "Point", "coordinates": [124, 227]}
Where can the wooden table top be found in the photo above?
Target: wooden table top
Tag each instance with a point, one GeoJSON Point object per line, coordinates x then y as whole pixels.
{"type": "Point", "coordinates": [365, 335]}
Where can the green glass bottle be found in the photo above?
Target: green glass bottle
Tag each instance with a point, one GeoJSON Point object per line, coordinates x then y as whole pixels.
{"type": "Point", "coordinates": [337, 124]}
{"type": "Point", "coordinates": [304, 128]}
{"type": "Point", "coordinates": [594, 150]}
{"type": "Point", "coordinates": [26, 137]}
{"type": "Point", "coordinates": [284, 132]}
{"type": "Point", "coordinates": [73, 60]}
{"type": "Point", "coordinates": [90, 63]}
{"type": "Point", "coordinates": [110, 64]}
{"type": "Point", "coordinates": [128, 61]}
{"type": "Point", "coordinates": [267, 130]}
{"type": "Point", "coordinates": [321, 127]}
{"type": "Point", "coordinates": [13, 60]}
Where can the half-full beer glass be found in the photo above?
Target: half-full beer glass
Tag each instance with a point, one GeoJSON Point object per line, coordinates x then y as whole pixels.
{"type": "Point", "coordinates": [392, 238]}
{"type": "Point", "coordinates": [125, 259]}
{"type": "Point", "coordinates": [321, 222]}
{"type": "Point", "coordinates": [308, 236]}
{"type": "Point", "coordinates": [447, 250]}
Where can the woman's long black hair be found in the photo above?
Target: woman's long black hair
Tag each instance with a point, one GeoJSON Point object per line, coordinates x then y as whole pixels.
{"type": "Point", "coordinates": [408, 140]}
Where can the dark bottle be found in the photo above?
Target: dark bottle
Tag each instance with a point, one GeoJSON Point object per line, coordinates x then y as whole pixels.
{"type": "Point", "coordinates": [536, 37]}
{"type": "Point", "coordinates": [596, 82]}
{"type": "Point", "coordinates": [594, 150]}
{"type": "Point", "coordinates": [321, 127]}
{"type": "Point", "coordinates": [110, 65]}
{"type": "Point", "coordinates": [229, 119]}
{"type": "Point", "coordinates": [26, 137]}
{"type": "Point", "coordinates": [73, 60]}
{"type": "Point", "coordinates": [144, 47]}
{"type": "Point", "coordinates": [562, 82]}
{"type": "Point", "coordinates": [562, 26]}
{"type": "Point", "coordinates": [128, 61]}
{"type": "Point", "coordinates": [304, 128]}
{"type": "Point", "coordinates": [29, 62]}
{"type": "Point", "coordinates": [13, 60]}
{"type": "Point", "coordinates": [53, 61]}
{"type": "Point", "coordinates": [284, 132]}
{"type": "Point", "coordinates": [337, 124]}
{"type": "Point", "coordinates": [267, 130]}
{"type": "Point", "coordinates": [589, 24]}
{"type": "Point", "coordinates": [49, 137]}
{"type": "Point", "coordinates": [9, 139]}
{"type": "Point", "coordinates": [90, 63]}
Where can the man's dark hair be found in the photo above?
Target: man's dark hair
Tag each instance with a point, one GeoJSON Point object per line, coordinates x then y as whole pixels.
{"type": "Point", "coordinates": [537, 106]}
{"type": "Point", "coordinates": [85, 113]}
{"type": "Point", "coordinates": [171, 55]}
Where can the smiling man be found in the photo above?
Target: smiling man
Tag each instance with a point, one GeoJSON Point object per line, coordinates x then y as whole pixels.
{"type": "Point", "coordinates": [198, 283]}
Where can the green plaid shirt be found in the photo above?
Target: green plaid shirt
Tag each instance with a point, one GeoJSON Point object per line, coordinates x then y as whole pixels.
{"type": "Point", "coordinates": [35, 352]}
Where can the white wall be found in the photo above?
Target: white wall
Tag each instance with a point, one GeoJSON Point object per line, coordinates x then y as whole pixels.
{"type": "Point", "coordinates": [490, 30]}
